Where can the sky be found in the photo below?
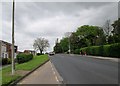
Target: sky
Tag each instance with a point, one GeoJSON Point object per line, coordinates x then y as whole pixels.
{"type": "Point", "coordinates": [51, 20]}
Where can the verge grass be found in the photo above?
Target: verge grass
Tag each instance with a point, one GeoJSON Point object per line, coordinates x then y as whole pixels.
{"type": "Point", "coordinates": [7, 77]}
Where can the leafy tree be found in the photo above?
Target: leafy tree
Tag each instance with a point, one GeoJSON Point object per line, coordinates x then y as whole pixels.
{"type": "Point", "coordinates": [64, 44]}
{"type": "Point", "coordinates": [116, 26]}
{"type": "Point", "coordinates": [84, 36]}
{"type": "Point", "coordinates": [57, 48]}
{"type": "Point", "coordinates": [115, 38]}
{"type": "Point", "coordinates": [91, 34]}
{"type": "Point", "coordinates": [74, 41]}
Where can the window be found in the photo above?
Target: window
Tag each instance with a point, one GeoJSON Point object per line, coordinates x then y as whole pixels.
{"type": "Point", "coordinates": [5, 55]}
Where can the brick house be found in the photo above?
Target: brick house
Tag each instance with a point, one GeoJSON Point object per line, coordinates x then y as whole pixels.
{"type": "Point", "coordinates": [30, 52]}
{"type": "Point", "coordinates": [5, 49]}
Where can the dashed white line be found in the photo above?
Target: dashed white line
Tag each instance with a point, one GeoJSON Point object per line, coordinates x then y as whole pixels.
{"type": "Point", "coordinates": [56, 78]}
{"type": "Point", "coordinates": [54, 73]}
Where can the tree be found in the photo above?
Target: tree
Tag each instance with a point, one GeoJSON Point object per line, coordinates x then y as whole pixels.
{"type": "Point", "coordinates": [74, 42]}
{"type": "Point", "coordinates": [116, 26]}
{"type": "Point", "coordinates": [115, 37]}
{"type": "Point", "coordinates": [89, 35]}
{"type": "Point", "coordinates": [62, 46]}
{"type": "Point", "coordinates": [107, 28]}
{"type": "Point", "coordinates": [57, 48]}
{"type": "Point", "coordinates": [41, 44]}
{"type": "Point", "coordinates": [64, 42]}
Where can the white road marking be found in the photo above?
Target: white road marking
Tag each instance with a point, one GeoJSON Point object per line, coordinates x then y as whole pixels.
{"type": "Point", "coordinates": [56, 78]}
{"type": "Point", "coordinates": [54, 73]}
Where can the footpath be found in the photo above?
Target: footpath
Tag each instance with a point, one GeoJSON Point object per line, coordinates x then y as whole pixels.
{"type": "Point", "coordinates": [45, 74]}
{"type": "Point", "coordinates": [105, 58]}
{"type": "Point", "coordinates": [100, 57]}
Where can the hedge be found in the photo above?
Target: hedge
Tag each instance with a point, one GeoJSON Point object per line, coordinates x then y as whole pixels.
{"type": "Point", "coordinates": [6, 61]}
{"type": "Point", "coordinates": [112, 50]}
{"type": "Point", "coordinates": [39, 54]}
{"type": "Point", "coordinates": [21, 58]}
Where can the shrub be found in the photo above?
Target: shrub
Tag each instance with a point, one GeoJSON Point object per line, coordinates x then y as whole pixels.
{"type": "Point", "coordinates": [9, 61]}
{"type": "Point", "coordinates": [105, 50]}
{"type": "Point", "coordinates": [4, 61]}
{"type": "Point", "coordinates": [115, 50]}
{"type": "Point", "coordinates": [112, 50]}
{"type": "Point", "coordinates": [77, 51]}
{"type": "Point", "coordinates": [39, 54]}
{"type": "Point", "coordinates": [21, 58]}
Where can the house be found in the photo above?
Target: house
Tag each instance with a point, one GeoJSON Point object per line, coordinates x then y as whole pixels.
{"type": "Point", "coordinates": [30, 52]}
{"type": "Point", "coordinates": [6, 49]}
{"type": "Point", "coordinates": [19, 52]}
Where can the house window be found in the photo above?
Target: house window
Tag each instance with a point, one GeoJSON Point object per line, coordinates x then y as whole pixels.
{"type": "Point", "coordinates": [5, 55]}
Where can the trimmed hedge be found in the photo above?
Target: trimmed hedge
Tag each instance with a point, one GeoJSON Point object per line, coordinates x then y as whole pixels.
{"type": "Point", "coordinates": [77, 51]}
{"type": "Point", "coordinates": [39, 54]}
{"type": "Point", "coordinates": [21, 58]}
{"type": "Point", "coordinates": [112, 50]}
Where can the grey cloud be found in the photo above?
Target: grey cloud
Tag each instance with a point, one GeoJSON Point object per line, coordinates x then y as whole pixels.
{"type": "Point", "coordinates": [52, 20]}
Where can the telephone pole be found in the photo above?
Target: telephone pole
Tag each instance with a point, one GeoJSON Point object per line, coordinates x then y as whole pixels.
{"type": "Point", "coordinates": [13, 66]}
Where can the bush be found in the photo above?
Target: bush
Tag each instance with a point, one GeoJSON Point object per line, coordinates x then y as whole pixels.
{"type": "Point", "coordinates": [9, 61]}
{"type": "Point", "coordinates": [115, 50]}
{"type": "Point", "coordinates": [112, 50]}
{"type": "Point", "coordinates": [77, 51]}
{"type": "Point", "coordinates": [6, 61]}
{"type": "Point", "coordinates": [21, 58]}
{"type": "Point", "coordinates": [39, 54]}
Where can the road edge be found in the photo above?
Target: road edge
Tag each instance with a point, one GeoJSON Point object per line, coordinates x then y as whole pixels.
{"type": "Point", "coordinates": [99, 57]}
{"type": "Point", "coordinates": [60, 79]}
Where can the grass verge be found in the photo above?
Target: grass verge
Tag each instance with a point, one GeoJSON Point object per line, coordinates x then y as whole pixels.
{"type": "Point", "coordinates": [7, 78]}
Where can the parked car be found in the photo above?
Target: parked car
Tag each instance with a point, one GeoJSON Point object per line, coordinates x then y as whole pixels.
{"type": "Point", "coordinates": [52, 53]}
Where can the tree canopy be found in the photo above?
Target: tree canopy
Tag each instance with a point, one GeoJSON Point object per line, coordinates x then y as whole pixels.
{"type": "Point", "coordinates": [40, 44]}
{"type": "Point", "coordinates": [88, 35]}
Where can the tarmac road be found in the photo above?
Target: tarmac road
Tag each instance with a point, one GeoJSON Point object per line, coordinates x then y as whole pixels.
{"type": "Point", "coordinates": [75, 69]}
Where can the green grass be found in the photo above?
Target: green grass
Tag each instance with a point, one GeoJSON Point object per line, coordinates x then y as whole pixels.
{"type": "Point", "coordinates": [37, 60]}
{"type": "Point", "coordinates": [7, 78]}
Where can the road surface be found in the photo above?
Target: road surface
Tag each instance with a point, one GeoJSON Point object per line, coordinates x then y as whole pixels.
{"type": "Point", "coordinates": [75, 69]}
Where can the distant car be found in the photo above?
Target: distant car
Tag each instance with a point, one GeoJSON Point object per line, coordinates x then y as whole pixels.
{"type": "Point", "coordinates": [52, 53]}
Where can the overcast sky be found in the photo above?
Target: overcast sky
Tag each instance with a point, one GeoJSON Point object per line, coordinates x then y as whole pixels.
{"type": "Point", "coordinates": [51, 20]}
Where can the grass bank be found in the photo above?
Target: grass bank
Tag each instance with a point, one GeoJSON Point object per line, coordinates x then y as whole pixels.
{"type": "Point", "coordinates": [21, 69]}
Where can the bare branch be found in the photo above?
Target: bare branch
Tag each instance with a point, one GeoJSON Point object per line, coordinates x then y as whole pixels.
{"type": "Point", "coordinates": [41, 44]}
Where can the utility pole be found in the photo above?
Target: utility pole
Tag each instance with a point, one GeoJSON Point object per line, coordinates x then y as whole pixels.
{"type": "Point", "coordinates": [13, 64]}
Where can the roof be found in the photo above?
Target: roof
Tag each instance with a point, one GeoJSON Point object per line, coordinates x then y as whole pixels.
{"type": "Point", "coordinates": [6, 42]}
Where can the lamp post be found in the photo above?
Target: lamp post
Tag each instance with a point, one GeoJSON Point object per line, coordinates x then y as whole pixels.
{"type": "Point", "coordinates": [13, 64]}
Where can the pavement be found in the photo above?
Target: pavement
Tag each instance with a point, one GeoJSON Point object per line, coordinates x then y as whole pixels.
{"type": "Point", "coordinates": [99, 57]}
{"type": "Point", "coordinates": [76, 69]}
{"type": "Point", "coordinates": [105, 58]}
{"type": "Point", "coordinates": [45, 74]}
